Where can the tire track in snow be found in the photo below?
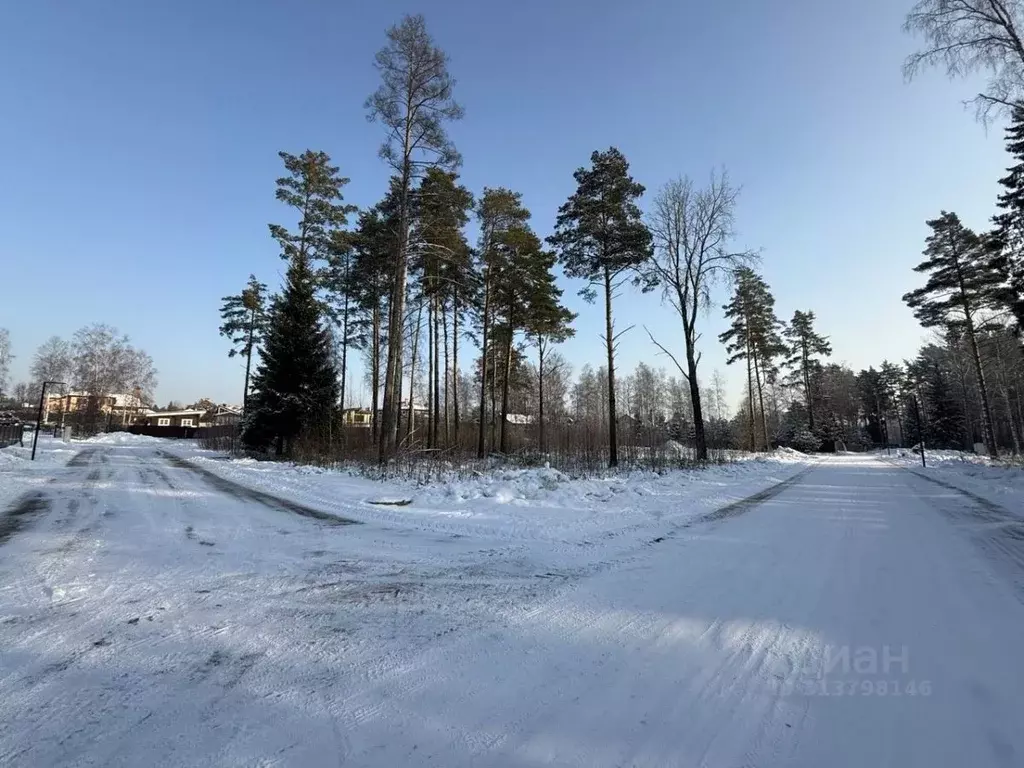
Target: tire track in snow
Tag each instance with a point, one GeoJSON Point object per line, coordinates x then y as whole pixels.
{"type": "Point", "coordinates": [994, 529]}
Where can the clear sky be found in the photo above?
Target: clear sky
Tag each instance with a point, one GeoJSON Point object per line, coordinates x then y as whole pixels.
{"type": "Point", "coordinates": [139, 140]}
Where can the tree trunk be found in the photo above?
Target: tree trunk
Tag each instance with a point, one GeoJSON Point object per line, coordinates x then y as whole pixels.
{"type": "Point", "coordinates": [435, 425]}
{"type": "Point", "coordinates": [540, 393]}
{"type": "Point", "coordinates": [504, 391]}
{"type": "Point", "coordinates": [613, 448]}
{"type": "Point", "coordinates": [375, 375]}
{"type": "Point", "coordinates": [447, 383]}
{"type": "Point", "coordinates": [411, 427]}
{"type": "Point", "coordinates": [455, 364]}
{"type": "Point", "coordinates": [750, 400]}
{"type": "Point", "coordinates": [699, 440]}
{"type": "Point", "coordinates": [344, 354]}
{"type": "Point", "coordinates": [430, 373]}
{"type": "Point", "coordinates": [760, 400]}
{"type": "Point", "coordinates": [481, 447]}
{"type": "Point", "coordinates": [807, 390]}
{"type": "Point", "coordinates": [986, 410]}
{"type": "Point", "coordinates": [248, 363]}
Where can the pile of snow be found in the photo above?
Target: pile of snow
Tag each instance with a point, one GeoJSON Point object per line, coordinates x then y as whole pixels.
{"type": "Point", "coordinates": [789, 453]}
{"type": "Point", "coordinates": [127, 438]}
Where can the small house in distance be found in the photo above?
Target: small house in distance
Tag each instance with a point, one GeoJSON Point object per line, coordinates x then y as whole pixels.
{"type": "Point", "coordinates": [357, 417]}
{"type": "Point", "coordinates": [185, 418]}
{"type": "Point", "coordinates": [222, 416]}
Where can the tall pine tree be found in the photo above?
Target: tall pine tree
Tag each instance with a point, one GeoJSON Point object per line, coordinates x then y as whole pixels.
{"type": "Point", "coordinates": [753, 336]}
{"type": "Point", "coordinates": [413, 102]}
{"type": "Point", "coordinates": [244, 319]}
{"type": "Point", "coordinates": [805, 347]}
{"type": "Point", "coordinates": [960, 284]}
{"type": "Point", "coordinates": [600, 237]}
{"type": "Point", "coordinates": [1008, 238]}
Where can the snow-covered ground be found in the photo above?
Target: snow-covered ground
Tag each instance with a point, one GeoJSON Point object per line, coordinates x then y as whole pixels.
{"type": "Point", "coordinates": [161, 605]}
{"type": "Point", "coordinates": [998, 482]}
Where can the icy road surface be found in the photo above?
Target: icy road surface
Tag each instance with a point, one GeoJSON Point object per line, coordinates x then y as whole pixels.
{"type": "Point", "coordinates": [152, 614]}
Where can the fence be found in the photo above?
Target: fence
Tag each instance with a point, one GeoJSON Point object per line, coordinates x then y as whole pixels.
{"type": "Point", "coordinates": [177, 433]}
{"type": "Point", "coordinates": [11, 434]}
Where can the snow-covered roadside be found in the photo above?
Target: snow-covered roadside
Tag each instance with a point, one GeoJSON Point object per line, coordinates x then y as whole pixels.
{"type": "Point", "coordinates": [999, 483]}
{"type": "Point", "coordinates": [541, 507]}
{"type": "Point", "coordinates": [18, 473]}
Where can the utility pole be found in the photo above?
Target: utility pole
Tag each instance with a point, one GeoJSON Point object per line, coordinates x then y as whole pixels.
{"type": "Point", "coordinates": [39, 415]}
{"type": "Point", "coordinates": [920, 428]}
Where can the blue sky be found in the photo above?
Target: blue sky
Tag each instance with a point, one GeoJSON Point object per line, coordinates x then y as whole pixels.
{"type": "Point", "coordinates": [138, 151]}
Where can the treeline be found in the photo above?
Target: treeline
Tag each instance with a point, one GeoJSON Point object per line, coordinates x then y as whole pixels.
{"type": "Point", "coordinates": [97, 363]}
{"type": "Point", "coordinates": [400, 285]}
{"type": "Point", "coordinates": [457, 339]}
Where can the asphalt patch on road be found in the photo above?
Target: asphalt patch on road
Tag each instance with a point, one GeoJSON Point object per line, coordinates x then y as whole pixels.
{"type": "Point", "coordinates": [19, 514]}
{"type": "Point", "coordinates": [243, 493]}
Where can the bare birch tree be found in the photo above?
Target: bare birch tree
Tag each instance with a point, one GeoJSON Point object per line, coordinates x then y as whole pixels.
{"type": "Point", "coordinates": [968, 36]}
{"type": "Point", "coordinates": [692, 230]}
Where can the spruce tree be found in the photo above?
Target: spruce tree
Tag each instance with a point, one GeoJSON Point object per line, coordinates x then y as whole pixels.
{"type": "Point", "coordinates": [600, 237]}
{"type": "Point", "coordinates": [296, 386]}
{"type": "Point", "coordinates": [1007, 240]}
{"type": "Point", "coordinates": [805, 346]}
{"type": "Point", "coordinates": [244, 319]}
{"type": "Point", "coordinates": [960, 284]}
{"type": "Point", "coordinates": [295, 389]}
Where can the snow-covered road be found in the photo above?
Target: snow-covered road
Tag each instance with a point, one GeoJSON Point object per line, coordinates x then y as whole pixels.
{"type": "Point", "coordinates": [860, 616]}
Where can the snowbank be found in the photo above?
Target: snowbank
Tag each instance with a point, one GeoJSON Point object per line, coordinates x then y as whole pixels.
{"type": "Point", "coordinates": [526, 505]}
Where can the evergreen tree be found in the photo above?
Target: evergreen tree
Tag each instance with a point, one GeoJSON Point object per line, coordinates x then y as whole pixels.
{"type": "Point", "coordinates": [295, 388]}
{"type": "Point", "coordinates": [754, 337]}
{"type": "Point", "coordinates": [413, 103]}
{"type": "Point", "coordinates": [445, 266]}
{"type": "Point", "coordinates": [244, 319]}
{"type": "Point", "coordinates": [960, 285]}
{"type": "Point", "coordinates": [941, 413]}
{"type": "Point", "coordinates": [1008, 238]}
{"type": "Point", "coordinates": [893, 384]}
{"type": "Point", "coordinates": [805, 345]}
{"type": "Point", "coordinates": [501, 216]}
{"type": "Point", "coordinates": [600, 237]}
{"type": "Point", "coordinates": [371, 288]}
{"type": "Point", "coordinates": [547, 321]}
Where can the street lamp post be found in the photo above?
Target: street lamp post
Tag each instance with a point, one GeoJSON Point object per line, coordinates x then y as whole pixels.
{"type": "Point", "coordinates": [39, 415]}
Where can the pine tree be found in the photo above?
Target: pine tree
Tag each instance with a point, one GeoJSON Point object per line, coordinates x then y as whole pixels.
{"type": "Point", "coordinates": [547, 322]}
{"type": "Point", "coordinates": [805, 345]}
{"type": "Point", "coordinates": [754, 337]}
{"type": "Point", "coordinates": [372, 281]}
{"type": "Point", "coordinates": [942, 416]}
{"type": "Point", "coordinates": [500, 213]}
{"type": "Point", "coordinates": [445, 267]}
{"type": "Point", "coordinates": [960, 285]}
{"type": "Point", "coordinates": [600, 237]}
{"type": "Point", "coordinates": [893, 384]}
{"type": "Point", "coordinates": [413, 103]}
{"type": "Point", "coordinates": [1008, 238]}
{"type": "Point", "coordinates": [244, 320]}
